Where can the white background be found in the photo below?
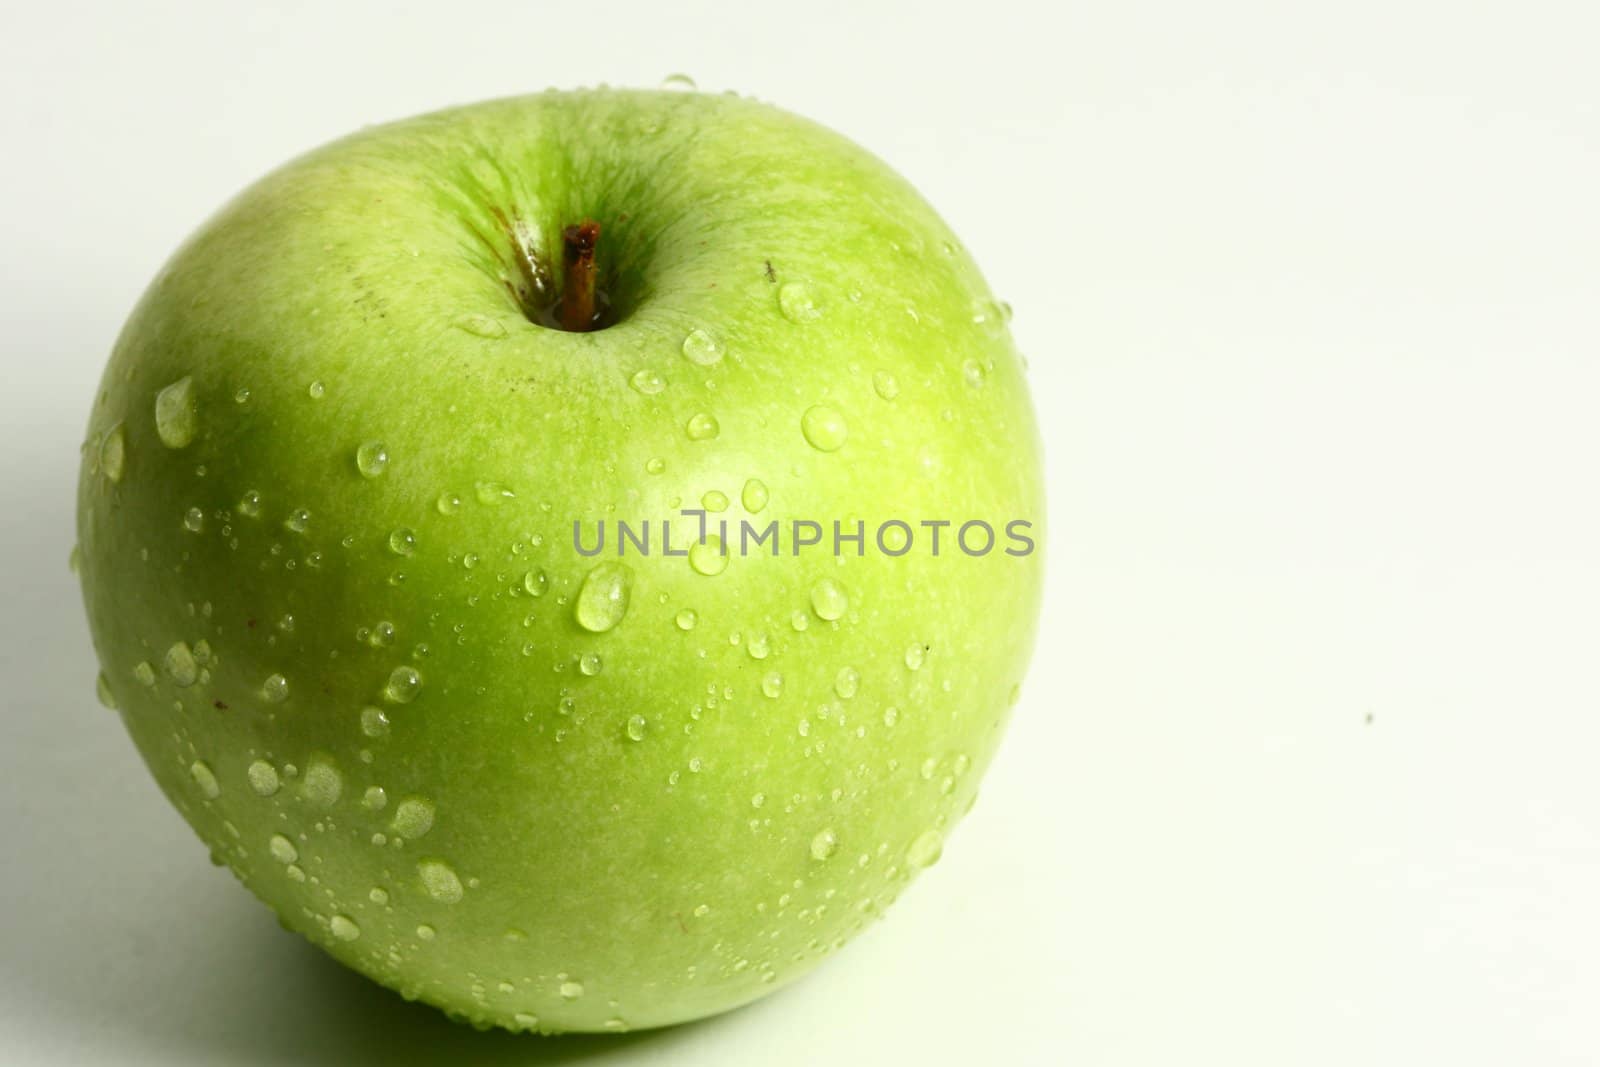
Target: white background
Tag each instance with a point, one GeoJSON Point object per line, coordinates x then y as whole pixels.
{"type": "Point", "coordinates": [1310, 295]}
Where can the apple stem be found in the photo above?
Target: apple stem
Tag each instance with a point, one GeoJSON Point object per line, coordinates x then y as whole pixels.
{"type": "Point", "coordinates": [577, 310]}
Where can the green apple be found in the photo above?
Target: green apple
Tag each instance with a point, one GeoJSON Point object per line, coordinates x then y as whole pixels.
{"type": "Point", "coordinates": [342, 481]}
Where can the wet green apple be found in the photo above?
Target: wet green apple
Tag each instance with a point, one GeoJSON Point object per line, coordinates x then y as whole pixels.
{"type": "Point", "coordinates": [338, 513]}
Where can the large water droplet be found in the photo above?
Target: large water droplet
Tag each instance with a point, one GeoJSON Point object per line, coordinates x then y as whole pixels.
{"type": "Point", "coordinates": [263, 778]}
{"type": "Point", "coordinates": [344, 928]}
{"type": "Point", "coordinates": [180, 665]}
{"type": "Point", "coordinates": [177, 416]}
{"type": "Point", "coordinates": [283, 850]}
{"type": "Point", "coordinates": [701, 349]}
{"type": "Point", "coordinates": [403, 541]}
{"type": "Point", "coordinates": [755, 496]}
{"type": "Point", "coordinates": [194, 520]}
{"type": "Point", "coordinates": [926, 849]}
{"type": "Point", "coordinates": [275, 690]}
{"type": "Point", "coordinates": [372, 459]}
{"type": "Point", "coordinates": [824, 845]}
{"type": "Point", "coordinates": [322, 783]}
{"type": "Point", "coordinates": [686, 619]}
{"type": "Point", "coordinates": [203, 777]}
{"type": "Point", "coordinates": [824, 428]}
{"type": "Point", "coordinates": [797, 303]}
{"type": "Point", "coordinates": [403, 685]}
{"type": "Point", "coordinates": [571, 989]}
{"type": "Point", "coordinates": [536, 582]}
{"type": "Point", "coordinates": [702, 427]}
{"type": "Point", "coordinates": [707, 557]}
{"type": "Point", "coordinates": [250, 504]}
{"type": "Point", "coordinates": [113, 453]}
{"type": "Point", "coordinates": [603, 600]}
{"type": "Point", "coordinates": [441, 881]}
{"type": "Point", "coordinates": [413, 817]}
{"type": "Point", "coordinates": [589, 664]}
{"type": "Point", "coordinates": [636, 727]}
{"type": "Point", "coordinates": [374, 723]}
{"type": "Point", "coordinates": [647, 382]}
{"type": "Point", "coordinates": [829, 600]}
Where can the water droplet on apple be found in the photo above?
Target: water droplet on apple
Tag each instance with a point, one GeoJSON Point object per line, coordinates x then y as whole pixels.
{"type": "Point", "coordinates": [647, 382]}
{"type": "Point", "coordinates": [796, 302]}
{"type": "Point", "coordinates": [847, 682]}
{"type": "Point", "coordinates": [113, 453]}
{"type": "Point", "coordinates": [571, 990]}
{"type": "Point", "coordinates": [448, 503]}
{"type": "Point", "coordinates": [440, 881]}
{"type": "Point", "coordinates": [686, 619]}
{"type": "Point", "coordinates": [536, 582]}
{"type": "Point", "coordinates": [678, 83]}
{"type": "Point", "coordinates": [203, 777]}
{"type": "Point", "coordinates": [636, 727]}
{"type": "Point", "coordinates": [973, 372]}
{"type": "Point", "coordinates": [102, 692]}
{"type": "Point", "coordinates": [180, 665]}
{"type": "Point", "coordinates": [428, 933]}
{"type": "Point", "coordinates": [602, 601]}
{"type": "Point", "coordinates": [316, 390]}
{"type": "Point", "coordinates": [772, 684]}
{"type": "Point", "coordinates": [702, 427]}
{"type": "Point", "coordinates": [829, 600]}
{"type": "Point", "coordinates": [242, 395]}
{"type": "Point", "coordinates": [250, 504]}
{"type": "Point", "coordinates": [754, 497]}
{"type": "Point", "coordinates": [493, 494]}
{"type": "Point", "coordinates": [344, 928]}
{"type": "Point", "coordinates": [758, 647]}
{"type": "Point", "coordinates": [403, 686]}
{"type": "Point", "coordinates": [144, 674]}
{"type": "Point", "coordinates": [655, 465]}
{"type": "Point", "coordinates": [824, 845]}
{"type": "Point", "coordinates": [194, 520]}
{"type": "Point", "coordinates": [891, 715]}
{"type": "Point", "coordinates": [263, 778]}
{"type": "Point", "coordinates": [925, 850]}
{"type": "Point", "coordinates": [379, 896]}
{"type": "Point", "coordinates": [824, 428]}
{"type": "Point", "coordinates": [275, 690]}
{"type": "Point", "coordinates": [915, 656]}
{"type": "Point", "coordinates": [322, 783]}
{"type": "Point", "coordinates": [177, 414]}
{"type": "Point", "coordinates": [589, 664]}
{"type": "Point", "coordinates": [376, 798]}
{"type": "Point", "coordinates": [480, 326]}
{"type": "Point", "coordinates": [374, 723]}
{"type": "Point", "coordinates": [707, 557]}
{"type": "Point", "coordinates": [413, 817]}
{"type": "Point", "coordinates": [282, 849]}
{"type": "Point", "coordinates": [297, 522]}
{"type": "Point", "coordinates": [700, 349]}
{"type": "Point", "coordinates": [885, 385]}
{"type": "Point", "coordinates": [372, 459]}
{"type": "Point", "coordinates": [714, 501]}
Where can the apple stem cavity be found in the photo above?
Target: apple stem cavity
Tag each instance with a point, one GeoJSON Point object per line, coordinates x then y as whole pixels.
{"type": "Point", "coordinates": [578, 311]}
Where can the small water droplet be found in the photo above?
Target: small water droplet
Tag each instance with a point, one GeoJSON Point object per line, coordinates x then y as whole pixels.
{"type": "Point", "coordinates": [847, 682]}
{"type": "Point", "coordinates": [829, 600]}
{"type": "Point", "coordinates": [297, 521]}
{"type": "Point", "coordinates": [242, 395]}
{"type": "Point", "coordinates": [925, 850]}
{"type": "Point", "coordinates": [282, 849]}
{"type": "Point", "coordinates": [448, 503]}
{"type": "Point", "coordinates": [647, 382]}
{"type": "Point", "coordinates": [113, 453]}
{"type": "Point", "coordinates": [374, 723]}
{"type": "Point", "coordinates": [403, 685]}
{"type": "Point", "coordinates": [891, 715]}
{"type": "Point", "coordinates": [772, 684]}
{"type": "Point", "coordinates": [440, 881]}
{"type": "Point", "coordinates": [493, 493]}
{"type": "Point", "coordinates": [714, 501]}
{"type": "Point", "coordinates": [799, 620]}
{"type": "Point", "coordinates": [824, 428]}
{"type": "Point", "coordinates": [203, 777]}
{"type": "Point", "coordinates": [824, 845]}
{"type": "Point", "coordinates": [263, 778]}
{"type": "Point", "coordinates": [379, 896]}
{"type": "Point", "coordinates": [702, 427]}
{"type": "Point", "coordinates": [180, 665]}
{"type": "Point", "coordinates": [571, 990]}
{"type": "Point", "coordinates": [796, 302]}
{"type": "Point", "coordinates": [686, 619]}
{"type": "Point", "coordinates": [655, 465]}
{"type": "Point", "coordinates": [636, 727]}
{"type": "Point", "coordinates": [316, 390]}
{"type": "Point", "coordinates": [322, 783]}
{"type": "Point", "coordinates": [344, 928]}
{"type": "Point", "coordinates": [589, 664]}
{"type": "Point", "coordinates": [428, 933]}
{"type": "Point", "coordinates": [707, 557]}
{"type": "Point", "coordinates": [250, 504]}
{"type": "Point", "coordinates": [759, 646]}
{"type": "Point", "coordinates": [480, 326]}
{"type": "Point", "coordinates": [376, 798]}
{"type": "Point", "coordinates": [701, 349]}
{"type": "Point", "coordinates": [413, 817]}
{"type": "Point", "coordinates": [973, 372]}
{"type": "Point", "coordinates": [603, 600]}
{"type": "Point", "coordinates": [754, 497]}
{"type": "Point", "coordinates": [536, 582]}
{"type": "Point", "coordinates": [915, 656]}
{"type": "Point", "coordinates": [372, 459]}
{"type": "Point", "coordinates": [194, 520]}
{"type": "Point", "coordinates": [885, 385]}
{"type": "Point", "coordinates": [758, 800]}
{"type": "Point", "coordinates": [678, 83]}
{"type": "Point", "coordinates": [102, 692]}
{"type": "Point", "coordinates": [177, 414]}
{"type": "Point", "coordinates": [144, 674]}
{"type": "Point", "coordinates": [275, 690]}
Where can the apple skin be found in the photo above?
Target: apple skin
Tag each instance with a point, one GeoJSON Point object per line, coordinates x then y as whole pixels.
{"type": "Point", "coordinates": [559, 829]}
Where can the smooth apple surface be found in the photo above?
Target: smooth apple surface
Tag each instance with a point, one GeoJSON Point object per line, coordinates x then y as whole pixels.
{"type": "Point", "coordinates": [326, 532]}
